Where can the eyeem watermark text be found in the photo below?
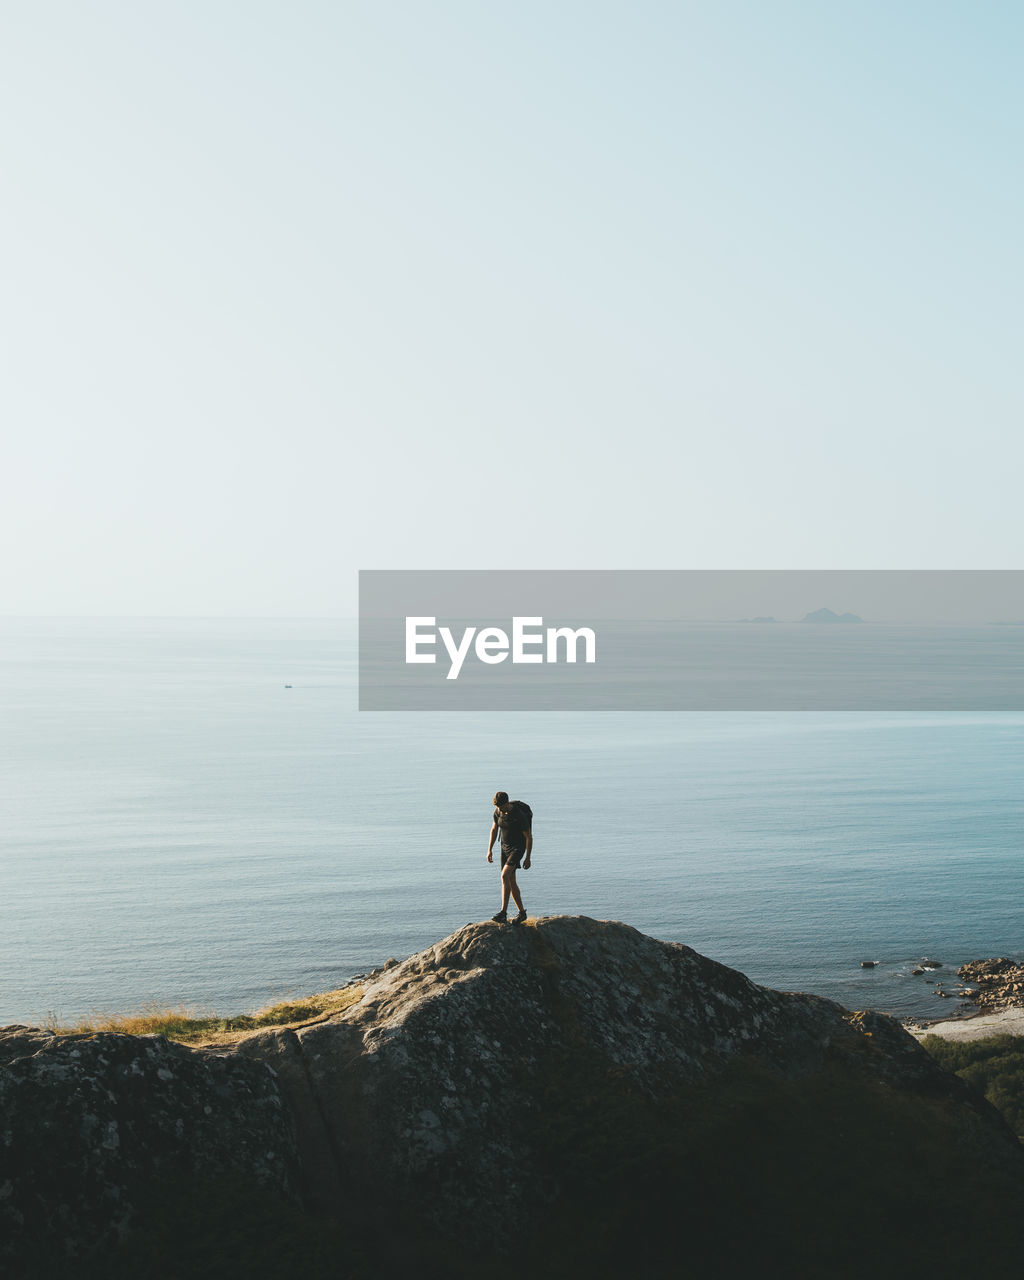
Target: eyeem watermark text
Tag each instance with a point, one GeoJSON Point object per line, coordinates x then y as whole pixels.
{"type": "Point", "coordinates": [530, 641]}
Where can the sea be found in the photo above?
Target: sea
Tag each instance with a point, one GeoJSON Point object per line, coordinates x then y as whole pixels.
{"type": "Point", "coordinates": [194, 812]}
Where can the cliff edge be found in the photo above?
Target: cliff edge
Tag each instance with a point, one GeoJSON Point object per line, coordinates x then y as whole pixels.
{"type": "Point", "coordinates": [439, 1082]}
{"type": "Point", "coordinates": [546, 1094]}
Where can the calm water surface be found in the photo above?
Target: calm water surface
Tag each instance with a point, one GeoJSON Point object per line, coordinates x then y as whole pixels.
{"type": "Point", "coordinates": [180, 827]}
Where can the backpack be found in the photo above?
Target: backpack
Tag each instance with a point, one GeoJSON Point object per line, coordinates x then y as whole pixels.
{"type": "Point", "coordinates": [519, 817]}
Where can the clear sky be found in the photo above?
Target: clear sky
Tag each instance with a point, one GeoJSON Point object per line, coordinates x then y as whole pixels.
{"type": "Point", "coordinates": [293, 289]}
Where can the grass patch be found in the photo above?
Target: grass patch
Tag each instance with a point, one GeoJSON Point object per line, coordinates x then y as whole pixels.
{"type": "Point", "coordinates": [188, 1026]}
{"type": "Point", "coordinates": [993, 1065]}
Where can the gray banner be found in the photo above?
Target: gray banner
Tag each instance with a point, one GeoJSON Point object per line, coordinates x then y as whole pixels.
{"type": "Point", "coordinates": [771, 640]}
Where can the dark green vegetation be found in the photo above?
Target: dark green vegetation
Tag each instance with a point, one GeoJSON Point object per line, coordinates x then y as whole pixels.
{"type": "Point", "coordinates": [749, 1174]}
{"type": "Point", "coordinates": [994, 1066]}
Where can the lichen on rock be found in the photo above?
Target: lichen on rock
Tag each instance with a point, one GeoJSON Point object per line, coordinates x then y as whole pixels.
{"type": "Point", "coordinates": [436, 1088]}
{"type": "Point", "coordinates": [560, 1087]}
{"type": "Point", "coordinates": [92, 1126]}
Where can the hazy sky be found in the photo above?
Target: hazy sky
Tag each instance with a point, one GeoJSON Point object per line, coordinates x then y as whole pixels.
{"type": "Point", "coordinates": [293, 289]}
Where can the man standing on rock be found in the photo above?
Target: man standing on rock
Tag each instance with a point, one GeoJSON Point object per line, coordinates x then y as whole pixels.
{"type": "Point", "coordinates": [514, 819]}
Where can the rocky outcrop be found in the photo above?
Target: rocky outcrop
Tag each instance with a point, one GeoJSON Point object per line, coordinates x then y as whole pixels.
{"type": "Point", "coordinates": [995, 984]}
{"type": "Point", "coordinates": [434, 1087]}
{"type": "Point", "coordinates": [518, 1087]}
{"type": "Point", "coordinates": [92, 1126]}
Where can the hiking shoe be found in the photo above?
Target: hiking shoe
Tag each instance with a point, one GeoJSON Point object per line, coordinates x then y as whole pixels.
{"type": "Point", "coordinates": [500, 918]}
{"type": "Point", "coordinates": [519, 917]}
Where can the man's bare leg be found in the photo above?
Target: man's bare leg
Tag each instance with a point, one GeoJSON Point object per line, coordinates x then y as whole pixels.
{"type": "Point", "coordinates": [509, 886]}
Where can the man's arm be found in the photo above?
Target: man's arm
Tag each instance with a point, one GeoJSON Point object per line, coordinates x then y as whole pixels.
{"type": "Point", "coordinates": [529, 850]}
{"type": "Point", "coordinates": [490, 843]}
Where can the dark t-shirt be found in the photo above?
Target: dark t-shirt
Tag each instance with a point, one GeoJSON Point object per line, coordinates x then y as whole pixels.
{"type": "Point", "coordinates": [513, 827]}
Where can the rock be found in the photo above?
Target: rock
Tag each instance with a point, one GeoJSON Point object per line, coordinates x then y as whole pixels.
{"type": "Point", "coordinates": [916, 972]}
{"type": "Point", "coordinates": [999, 983]}
{"type": "Point", "coordinates": [22, 1042]}
{"type": "Point", "coordinates": [507, 1091]}
{"type": "Point", "coordinates": [931, 964]}
{"type": "Point", "coordinates": [868, 964]}
{"type": "Point", "coordinates": [90, 1126]}
{"type": "Point", "coordinates": [433, 1089]}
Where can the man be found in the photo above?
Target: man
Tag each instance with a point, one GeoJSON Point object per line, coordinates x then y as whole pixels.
{"type": "Point", "coordinates": [515, 822]}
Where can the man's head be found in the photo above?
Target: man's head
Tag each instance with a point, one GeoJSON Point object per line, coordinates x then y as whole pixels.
{"type": "Point", "coordinates": [501, 799]}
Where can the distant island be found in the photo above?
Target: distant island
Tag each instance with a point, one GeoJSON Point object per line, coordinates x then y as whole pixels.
{"type": "Point", "coordinates": [757, 619]}
{"type": "Point", "coordinates": [828, 615]}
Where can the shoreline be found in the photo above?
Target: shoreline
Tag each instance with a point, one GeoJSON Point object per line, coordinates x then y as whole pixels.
{"type": "Point", "coordinates": [970, 1026]}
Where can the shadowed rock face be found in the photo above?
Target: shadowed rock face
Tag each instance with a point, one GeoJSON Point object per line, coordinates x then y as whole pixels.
{"type": "Point", "coordinates": [494, 1089]}
{"type": "Point", "coordinates": [437, 1087]}
{"type": "Point", "coordinates": [90, 1126]}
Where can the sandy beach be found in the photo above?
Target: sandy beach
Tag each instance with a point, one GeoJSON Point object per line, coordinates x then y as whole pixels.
{"type": "Point", "coordinates": [973, 1027]}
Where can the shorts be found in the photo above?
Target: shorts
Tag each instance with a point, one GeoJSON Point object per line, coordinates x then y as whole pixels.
{"type": "Point", "coordinates": [512, 858]}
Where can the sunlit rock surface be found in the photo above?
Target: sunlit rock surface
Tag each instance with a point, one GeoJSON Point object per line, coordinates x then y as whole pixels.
{"type": "Point", "coordinates": [546, 1092]}
{"type": "Point", "coordinates": [438, 1084]}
